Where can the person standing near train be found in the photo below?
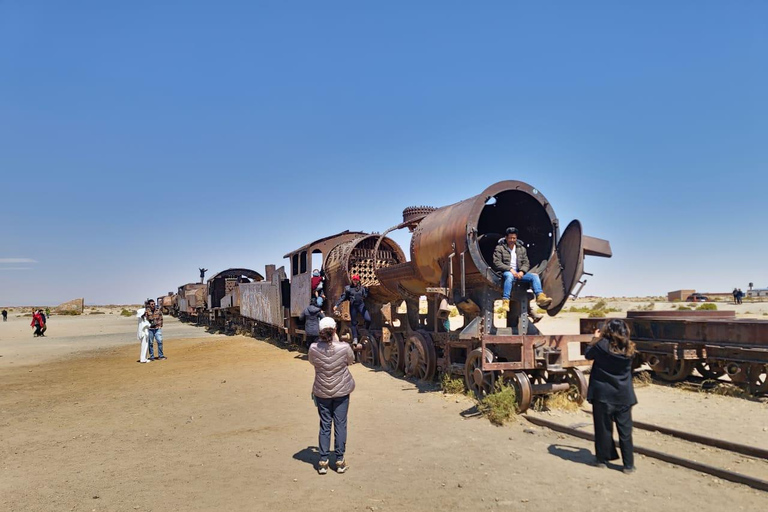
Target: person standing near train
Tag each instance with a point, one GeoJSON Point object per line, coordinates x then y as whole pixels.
{"type": "Point", "coordinates": [311, 317]}
{"type": "Point", "coordinates": [155, 318]}
{"type": "Point", "coordinates": [611, 392]}
{"type": "Point", "coordinates": [356, 294]}
{"type": "Point", "coordinates": [331, 389]}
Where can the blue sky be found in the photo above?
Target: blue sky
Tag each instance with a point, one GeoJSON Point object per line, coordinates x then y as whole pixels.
{"type": "Point", "coordinates": [140, 140]}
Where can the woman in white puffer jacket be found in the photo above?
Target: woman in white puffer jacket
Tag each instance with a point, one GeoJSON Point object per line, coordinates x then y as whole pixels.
{"type": "Point", "coordinates": [332, 387]}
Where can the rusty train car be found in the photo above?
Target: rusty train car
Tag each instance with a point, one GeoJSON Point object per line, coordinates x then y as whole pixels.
{"type": "Point", "coordinates": [714, 343]}
{"type": "Point", "coordinates": [450, 264]}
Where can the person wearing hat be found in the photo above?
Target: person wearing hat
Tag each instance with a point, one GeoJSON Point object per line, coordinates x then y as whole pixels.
{"type": "Point", "coordinates": [356, 294]}
{"type": "Point", "coordinates": [143, 334]}
{"type": "Point", "coordinates": [511, 259]}
{"type": "Point", "coordinates": [331, 389]}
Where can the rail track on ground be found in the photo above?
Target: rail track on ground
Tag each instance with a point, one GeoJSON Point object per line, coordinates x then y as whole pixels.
{"type": "Point", "coordinates": [738, 450]}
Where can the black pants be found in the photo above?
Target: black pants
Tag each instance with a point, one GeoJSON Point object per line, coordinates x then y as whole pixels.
{"type": "Point", "coordinates": [604, 416]}
{"type": "Point", "coordinates": [311, 338]}
{"type": "Point", "coordinates": [354, 311]}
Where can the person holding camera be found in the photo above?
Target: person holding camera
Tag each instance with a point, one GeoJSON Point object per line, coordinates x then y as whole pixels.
{"type": "Point", "coordinates": [611, 392]}
{"type": "Point", "coordinates": [155, 318]}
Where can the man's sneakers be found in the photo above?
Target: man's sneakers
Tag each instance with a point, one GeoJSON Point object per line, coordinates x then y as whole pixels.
{"type": "Point", "coordinates": [341, 466]}
{"type": "Point", "coordinates": [543, 301]}
{"type": "Point", "coordinates": [505, 305]}
{"type": "Point", "coordinates": [322, 467]}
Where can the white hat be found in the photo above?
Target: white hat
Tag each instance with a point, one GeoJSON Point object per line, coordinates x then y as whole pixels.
{"type": "Point", "coordinates": [327, 323]}
{"type": "Point", "coordinates": [140, 312]}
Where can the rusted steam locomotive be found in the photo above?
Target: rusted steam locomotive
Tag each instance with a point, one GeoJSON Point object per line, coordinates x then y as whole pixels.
{"type": "Point", "coordinates": [450, 264]}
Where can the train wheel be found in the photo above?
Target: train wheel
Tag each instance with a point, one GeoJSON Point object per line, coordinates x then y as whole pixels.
{"type": "Point", "coordinates": [757, 376]}
{"type": "Point", "coordinates": [523, 392]}
{"type": "Point", "coordinates": [672, 370]}
{"type": "Point", "coordinates": [392, 352]}
{"type": "Point", "coordinates": [369, 356]}
{"type": "Point", "coordinates": [420, 360]}
{"type": "Point", "coordinates": [480, 382]}
{"type": "Point", "coordinates": [578, 391]}
{"type": "Point", "coordinates": [709, 370]}
{"type": "Point", "coordinates": [344, 332]}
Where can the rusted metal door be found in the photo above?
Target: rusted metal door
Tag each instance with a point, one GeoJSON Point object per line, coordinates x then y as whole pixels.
{"type": "Point", "coordinates": [565, 268]}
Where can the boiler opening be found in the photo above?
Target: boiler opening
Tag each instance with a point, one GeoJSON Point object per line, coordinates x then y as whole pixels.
{"type": "Point", "coordinates": [514, 208]}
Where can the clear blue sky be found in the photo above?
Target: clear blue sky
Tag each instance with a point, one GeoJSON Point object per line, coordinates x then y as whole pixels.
{"type": "Point", "coordinates": [140, 140]}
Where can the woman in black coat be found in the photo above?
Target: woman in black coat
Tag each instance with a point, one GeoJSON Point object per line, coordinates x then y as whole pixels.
{"type": "Point", "coordinates": [611, 392]}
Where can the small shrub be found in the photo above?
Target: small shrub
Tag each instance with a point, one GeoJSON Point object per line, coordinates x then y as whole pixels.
{"type": "Point", "coordinates": [560, 401]}
{"type": "Point", "coordinates": [451, 386]}
{"type": "Point", "coordinates": [648, 307]}
{"type": "Point", "coordinates": [501, 405]}
{"type": "Point", "coordinates": [97, 313]}
{"type": "Point", "coordinates": [126, 312]}
{"type": "Point", "coordinates": [683, 308]}
{"type": "Point", "coordinates": [642, 379]}
{"type": "Point", "coordinates": [707, 307]}
{"type": "Point", "coordinates": [597, 314]}
{"type": "Point", "coordinates": [68, 313]}
{"type": "Point", "coordinates": [600, 305]}
{"type": "Point", "coordinates": [454, 312]}
{"type": "Point", "coordinates": [583, 309]}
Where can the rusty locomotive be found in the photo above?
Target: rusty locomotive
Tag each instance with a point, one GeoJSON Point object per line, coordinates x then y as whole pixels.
{"type": "Point", "coordinates": [449, 265]}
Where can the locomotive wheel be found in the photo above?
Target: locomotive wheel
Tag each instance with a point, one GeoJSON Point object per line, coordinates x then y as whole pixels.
{"type": "Point", "coordinates": [369, 356]}
{"type": "Point", "coordinates": [523, 391]}
{"type": "Point", "coordinates": [758, 379]}
{"type": "Point", "coordinates": [710, 370]}
{"type": "Point", "coordinates": [578, 391]}
{"type": "Point", "coordinates": [480, 382]}
{"type": "Point", "coordinates": [420, 357]}
{"type": "Point", "coordinates": [672, 370]}
{"type": "Point", "coordinates": [344, 332]}
{"type": "Point", "coordinates": [392, 353]}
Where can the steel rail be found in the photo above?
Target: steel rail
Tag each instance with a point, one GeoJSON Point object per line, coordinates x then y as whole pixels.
{"type": "Point", "coordinates": [724, 474]}
{"type": "Point", "coordinates": [743, 449]}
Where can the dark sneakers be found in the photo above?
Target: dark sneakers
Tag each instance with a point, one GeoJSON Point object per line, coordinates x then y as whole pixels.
{"type": "Point", "coordinates": [629, 471]}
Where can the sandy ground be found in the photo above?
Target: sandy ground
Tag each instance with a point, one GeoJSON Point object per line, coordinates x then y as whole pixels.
{"type": "Point", "coordinates": [226, 423]}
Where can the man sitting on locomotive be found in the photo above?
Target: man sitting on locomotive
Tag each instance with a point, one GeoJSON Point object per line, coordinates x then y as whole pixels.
{"type": "Point", "coordinates": [355, 294]}
{"type": "Point", "coordinates": [511, 259]}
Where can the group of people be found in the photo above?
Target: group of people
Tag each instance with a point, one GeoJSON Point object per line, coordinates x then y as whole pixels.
{"type": "Point", "coordinates": [737, 295]}
{"type": "Point", "coordinates": [610, 391]}
{"type": "Point", "coordinates": [39, 323]}
{"type": "Point", "coordinates": [150, 330]}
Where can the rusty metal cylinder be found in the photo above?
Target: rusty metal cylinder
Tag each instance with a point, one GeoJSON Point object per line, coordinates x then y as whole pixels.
{"type": "Point", "coordinates": [360, 257]}
{"type": "Point", "coordinates": [466, 233]}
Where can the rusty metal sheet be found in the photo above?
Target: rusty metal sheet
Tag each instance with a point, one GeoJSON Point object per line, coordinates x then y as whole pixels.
{"type": "Point", "coordinates": [262, 300]}
{"type": "Point", "coordinates": [300, 292]}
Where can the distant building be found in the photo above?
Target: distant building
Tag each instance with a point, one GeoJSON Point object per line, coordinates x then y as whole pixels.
{"type": "Point", "coordinates": [679, 295]}
{"type": "Point", "coordinates": [757, 292]}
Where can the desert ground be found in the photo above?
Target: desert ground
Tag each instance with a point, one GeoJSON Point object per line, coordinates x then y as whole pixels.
{"type": "Point", "coordinates": [226, 423]}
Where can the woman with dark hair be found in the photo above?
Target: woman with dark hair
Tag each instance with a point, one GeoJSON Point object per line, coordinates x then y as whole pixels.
{"type": "Point", "coordinates": [331, 389]}
{"type": "Point", "coordinates": [611, 392]}
{"type": "Point", "coordinates": [311, 317]}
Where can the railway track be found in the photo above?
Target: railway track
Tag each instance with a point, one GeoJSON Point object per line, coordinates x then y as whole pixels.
{"type": "Point", "coordinates": [739, 450]}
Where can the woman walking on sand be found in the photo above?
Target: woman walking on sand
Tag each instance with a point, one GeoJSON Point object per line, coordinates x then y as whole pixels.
{"type": "Point", "coordinates": [331, 389]}
{"type": "Point", "coordinates": [611, 392]}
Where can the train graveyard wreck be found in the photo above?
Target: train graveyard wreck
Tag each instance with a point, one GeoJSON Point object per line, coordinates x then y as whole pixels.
{"type": "Point", "coordinates": [451, 265]}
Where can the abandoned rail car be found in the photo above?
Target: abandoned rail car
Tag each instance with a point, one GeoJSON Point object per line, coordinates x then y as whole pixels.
{"type": "Point", "coordinates": [714, 343]}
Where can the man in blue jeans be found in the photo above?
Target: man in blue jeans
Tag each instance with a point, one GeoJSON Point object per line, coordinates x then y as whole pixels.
{"type": "Point", "coordinates": [155, 317]}
{"type": "Point", "coordinates": [511, 259]}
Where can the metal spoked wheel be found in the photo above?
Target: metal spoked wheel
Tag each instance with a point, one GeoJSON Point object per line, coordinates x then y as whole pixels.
{"type": "Point", "coordinates": [523, 390]}
{"type": "Point", "coordinates": [757, 376]}
{"type": "Point", "coordinates": [344, 332]}
{"type": "Point", "coordinates": [369, 355]}
{"type": "Point", "coordinates": [392, 351]}
{"type": "Point", "coordinates": [577, 392]}
{"type": "Point", "coordinates": [672, 370]}
{"type": "Point", "coordinates": [480, 382]}
{"type": "Point", "coordinates": [420, 357]}
{"type": "Point", "coordinates": [709, 370]}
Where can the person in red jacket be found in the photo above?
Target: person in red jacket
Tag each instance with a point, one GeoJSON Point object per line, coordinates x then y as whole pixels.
{"type": "Point", "coordinates": [37, 323]}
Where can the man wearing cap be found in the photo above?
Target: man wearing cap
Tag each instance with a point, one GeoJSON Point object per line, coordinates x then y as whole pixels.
{"type": "Point", "coordinates": [356, 294]}
{"type": "Point", "coordinates": [511, 259]}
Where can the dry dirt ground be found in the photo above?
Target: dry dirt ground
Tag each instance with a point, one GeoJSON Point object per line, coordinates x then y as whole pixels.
{"type": "Point", "coordinates": [226, 424]}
